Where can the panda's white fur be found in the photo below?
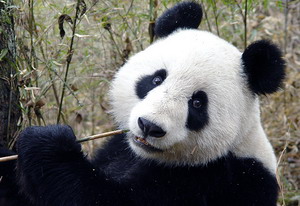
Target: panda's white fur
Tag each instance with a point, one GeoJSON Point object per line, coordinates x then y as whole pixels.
{"type": "Point", "coordinates": [194, 60]}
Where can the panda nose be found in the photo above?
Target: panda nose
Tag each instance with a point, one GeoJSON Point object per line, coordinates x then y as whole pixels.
{"type": "Point", "coordinates": [150, 128]}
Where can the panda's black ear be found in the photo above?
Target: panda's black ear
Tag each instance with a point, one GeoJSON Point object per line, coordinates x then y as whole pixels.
{"type": "Point", "coordinates": [182, 15]}
{"type": "Point", "coordinates": [264, 67]}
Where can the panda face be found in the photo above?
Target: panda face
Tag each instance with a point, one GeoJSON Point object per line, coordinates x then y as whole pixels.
{"type": "Point", "coordinates": [184, 99]}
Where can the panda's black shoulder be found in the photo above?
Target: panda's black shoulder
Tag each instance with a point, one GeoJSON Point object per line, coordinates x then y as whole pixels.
{"type": "Point", "coordinates": [247, 179]}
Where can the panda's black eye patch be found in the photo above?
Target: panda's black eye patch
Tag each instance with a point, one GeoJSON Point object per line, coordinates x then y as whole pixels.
{"type": "Point", "coordinates": [197, 111]}
{"type": "Point", "coordinates": [149, 82]}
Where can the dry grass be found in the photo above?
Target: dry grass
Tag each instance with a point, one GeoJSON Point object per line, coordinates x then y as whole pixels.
{"type": "Point", "coordinates": [110, 30]}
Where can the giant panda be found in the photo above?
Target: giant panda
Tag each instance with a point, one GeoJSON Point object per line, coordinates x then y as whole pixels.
{"type": "Point", "coordinates": [190, 102]}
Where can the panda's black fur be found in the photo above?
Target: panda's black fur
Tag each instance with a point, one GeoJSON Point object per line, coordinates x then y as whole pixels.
{"type": "Point", "coordinates": [261, 62]}
{"type": "Point", "coordinates": [52, 169]}
{"type": "Point", "coordinates": [55, 172]}
{"type": "Point", "coordinates": [186, 15]}
{"type": "Point", "coordinates": [9, 190]}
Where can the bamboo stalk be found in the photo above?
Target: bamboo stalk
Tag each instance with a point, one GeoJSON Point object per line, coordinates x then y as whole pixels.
{"type": "Point", "coordinates": [216, 16]}
{"type": "Point", "coordinates": [88, 138]}
{"type": "Point", "coordinates": [68, 59]}
{"type": "Point", "coordinates": [97, 136]}
{"type": "Point", "coordinates": [8, 158]}
{"type": "Point", "coordinates": [245, 24]}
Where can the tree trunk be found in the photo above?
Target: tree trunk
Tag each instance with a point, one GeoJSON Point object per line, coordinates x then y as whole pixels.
{"type": "Point", "coordinates": [10, 111]}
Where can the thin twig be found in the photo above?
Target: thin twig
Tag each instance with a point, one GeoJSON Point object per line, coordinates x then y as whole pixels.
{"type": "Point", "coordinates": [232, 19]}
{"type": "Point", "coordinates": [88, 138]}
{"type": "Point", "coordinates": [130, 7]}
{"type": "Point", "coordinates": [244, 17]}
{"type": "Point", "coordinates": [240, 9]}
{"type": "Point", "coordinates": [8, 135]}
{"type": "Point", "coordinates": [280, 159]}
{"type": "Point", "coordinates": [65, 84]}
{"type": "Point", "coordinates": [206, 17]}
{"type": "Point", "coordinates": [153, 16]}
{"type": "Point", "coordinates": [116, 45]}
{"type": "Point", "coordinates": [216, 16]}
{"type": "Point", "coordinates": [245, 24]}
{"type": "Point", "coordinates": [286, 11]}
{"type": "Point", "coordinates": [29, 116]}
{"type": "Point", "coordinates": [134, 32]}
{"type": "Point", "coordinates": [33, 63]}
{"type": "Point", "coordinates": [30, 2]}
{"type": "Point", "coordinates": [8, 158]}
{"type": "Point", "coordinates": [69, 58]}
{"type": "Point", "coordinates": [97, 136]}
{"type": "Point", "coordinates": [45, 60]}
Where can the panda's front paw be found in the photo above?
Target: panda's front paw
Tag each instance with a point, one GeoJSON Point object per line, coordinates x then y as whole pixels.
{"type": "Point", "coordinates": [49, 158]}
{"type": "Point", "coordinates": [46, 143]}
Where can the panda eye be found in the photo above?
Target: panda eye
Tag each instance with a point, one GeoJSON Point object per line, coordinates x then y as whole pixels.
{"type": "Point", "coordinates": [196, 103]}
{"type": "Point", "coordinates": [197, 111]}
{"type": "Point", "coordinates": [149, 82]}
{"type": "Point", "coordinates": [157, 80]}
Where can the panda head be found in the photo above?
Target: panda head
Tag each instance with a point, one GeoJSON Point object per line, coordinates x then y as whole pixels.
{"type": "Point", "coordinates": [191, 97]}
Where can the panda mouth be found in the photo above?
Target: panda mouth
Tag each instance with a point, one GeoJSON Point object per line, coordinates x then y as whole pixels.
{"type": "Point", "coordinates": [142, 142]}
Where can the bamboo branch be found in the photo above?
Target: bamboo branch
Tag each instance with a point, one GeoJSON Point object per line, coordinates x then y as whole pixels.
{"type": "Point", "coordinates": [84, 139]}
{"type": "Point", "coordinates": [286, 11]}
{"type": "Point", "coordinates": [216, 16]}
{"type": "Point", "coordinates": [8, 135]}
{"type": "Point", "coordinates": [244, 17]}
{"type": "Point", "coordinates": [206, 16]}
{"type": "Point", "coordinates": [69, 59]}
{"type": "Point", "coordinates": [8, 158]}
{"type": "Point", "coordinates": [245, 24]}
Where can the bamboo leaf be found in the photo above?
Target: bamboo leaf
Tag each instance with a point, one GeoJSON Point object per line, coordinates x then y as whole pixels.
{"type": "Point", "coordinates": [82, 7]}
{"type": "Point", "coordinates": [3, 53]}
{"type": "Point", "coordinates": [61, 19]}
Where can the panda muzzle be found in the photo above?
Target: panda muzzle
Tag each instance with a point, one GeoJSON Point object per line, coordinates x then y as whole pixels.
{"type": "Point", "coordinates": [142, 142]}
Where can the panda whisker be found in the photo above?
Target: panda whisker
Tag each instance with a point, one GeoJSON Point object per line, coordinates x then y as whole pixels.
{"type": "Point", "coordinates": [194, 149]}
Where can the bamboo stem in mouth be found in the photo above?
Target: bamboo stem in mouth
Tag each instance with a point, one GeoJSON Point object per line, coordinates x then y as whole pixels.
{"type": "Point", "coordinates": [88, 138]}
{"type": "Point", "coordinates": [8, 158]}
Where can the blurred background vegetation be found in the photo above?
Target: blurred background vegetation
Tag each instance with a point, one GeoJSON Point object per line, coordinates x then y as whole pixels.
{"type": "Point", "coordinates": [69, 50]}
